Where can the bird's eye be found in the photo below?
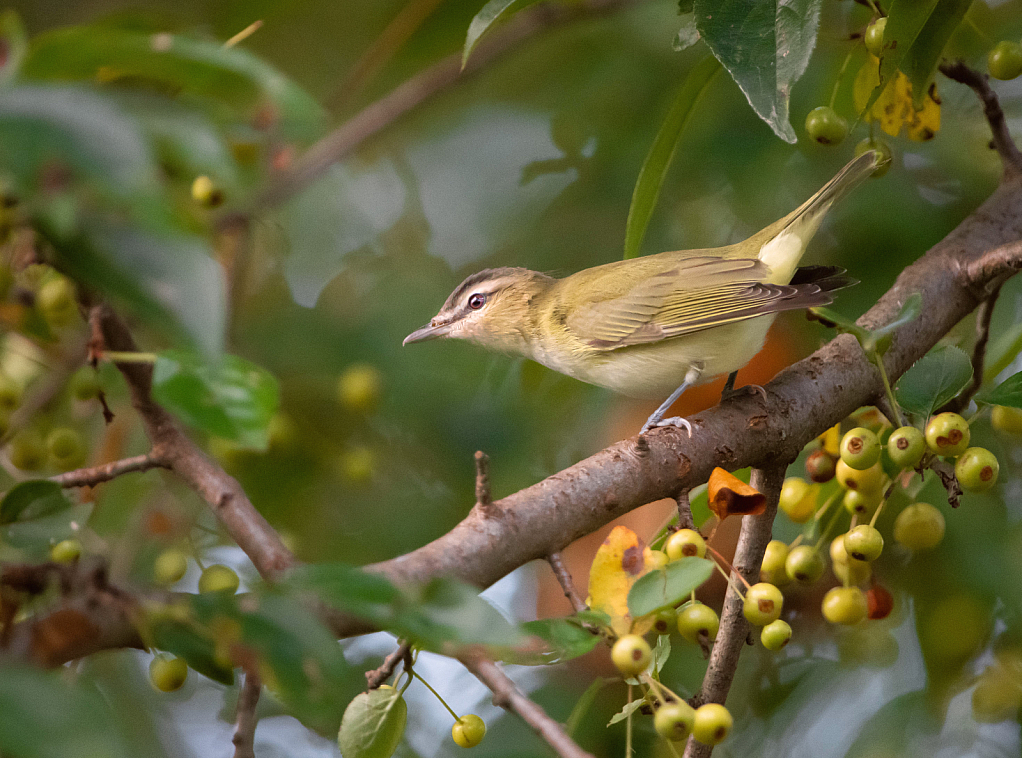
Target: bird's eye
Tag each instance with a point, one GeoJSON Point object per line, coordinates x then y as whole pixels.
{"type": "Point", "coordinates": [477, 301]}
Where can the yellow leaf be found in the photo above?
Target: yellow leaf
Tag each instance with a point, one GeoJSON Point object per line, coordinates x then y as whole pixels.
{"type": "Point", "coordinates": [617, 565]}
{"type": "Point", "coordinates": [830, 440]}
{"type": "Point", "coordinates": [730, 496]}
{"type": "Point", "coordinates": [894, 109]}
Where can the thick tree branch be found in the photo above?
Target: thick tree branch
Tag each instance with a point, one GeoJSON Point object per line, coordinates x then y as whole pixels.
{"type": "Point", "coordinates": [1002, 141]}
{"type": "Point", "coordinates": [245, 722]}
{"type": "Point", "coordinates": [89, 477]}
{"type": "Point", "coordinates": [507, 696]}
{"type": "Point", "coordinates": [734, 629]}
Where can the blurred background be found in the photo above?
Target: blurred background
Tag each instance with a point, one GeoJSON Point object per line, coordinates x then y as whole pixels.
{"type": "Point", "coordinates": [532, 162]}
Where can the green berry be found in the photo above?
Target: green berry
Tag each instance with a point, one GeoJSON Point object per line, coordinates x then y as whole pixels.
{"type": "Point", "coordinates": [947, 434]}
{"type": "Point", "coordinates": [977, 469]}
{"type": "Point", "coordinates": [861, 503]}
{"type": "Point", "coordinates": [919, 527]}
{"type": "Point", "coordinates": [10, 393]}
{"type": "Point", "coordinates": [772, 568]}
{"type": "Point", "coordinates": [27, 450]}
{"type": "Point", "coordinates": [357, 464]}
{"type": "Point", "coordinates": [57, 301]}
{"type": "Point", "coordinates": [698, 622]}
{"type": "Point", "coordinates": [874, 36]}
{"type": "Point", "coordinates": [844, 605]}
{"type": "Point", "coordinates": [66, 551]}
{"type": "Point", "coordinates": [775, 635]}
{"type": "Point", "coordinates": [860, 448]}
{"type": "Point", "coordinates": [359, 387]}
{"type": "Point", "coordinates": [665, 620]}
{"type": "Point", "coordinates": [674, 721]}
{"type": "Point", "coordinates": [712, 724]}
{"type": "Point", "coordinates": [206, 193]}
{"type": "Point", "coordinates": [1005, 60]}
{"type": "Point", "coordinates": [763, 603]}
{"type": "Point", "coordinates": [824, 125]}
{"type": "Point", "coordinates": [864, 543]}
{"type": "Point", "coordinates": [885, 159]}
{"type": "Point", "coordinates": [798, 499]}
{"type": "Point", "coordinates": [170, 566]}
{"type": "Point", "coordinates": [804, 564]}
{"type": "Point", "coordinates": [631, 655]}
{"type": "Point", "coordinates": [906, 446]}
{"type": "Point", "coordinates": [468, 731]}
{"type": "Point", "coordinates": [865, 480]}
{"type": "Point", "coordinates": [167, 673]}
{"type": "Point", "coordinates": [997, 697]}
{"type": "Point", "coordinates": [85, 384]}
{"type": "Point", "coordinates": [684, 543]}
{"type": "Point", "coordinates": [820, 466]}
{"type": "Point", "coordinates": [657, 560]}
{"type": "Point", "coordinates": [849, 570]}
{"type": "Point", "coordinates": [66, 448]}
{"type": "Point", "coordinates": [1006, 419]}
{"type": "Point", "coordinates": [219, 578]}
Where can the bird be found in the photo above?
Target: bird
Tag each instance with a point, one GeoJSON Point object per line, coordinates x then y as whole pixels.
{"type": "Point", "coordinates": [653, 326]}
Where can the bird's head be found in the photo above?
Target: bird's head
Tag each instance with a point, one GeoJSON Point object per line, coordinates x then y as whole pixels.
{"type": "Point", "coordinates": [492, 308]}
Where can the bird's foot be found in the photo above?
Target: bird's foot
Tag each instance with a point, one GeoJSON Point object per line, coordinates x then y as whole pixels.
{"type": "Point", "coordinates": [675, 421]}
{"type": "Point", "coordinates": [729, 392]}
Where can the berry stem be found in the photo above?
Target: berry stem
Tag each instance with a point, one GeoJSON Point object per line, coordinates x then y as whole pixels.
{"type": "Point", "coordinates": [840, 78]}
{"type": "Point", "coordinates": [887, 495]}
{"type": "Point", "coordinates": [628, 728]}
{"type": "Point", "coordinates": [878, 360]}
{"type": "Point", "coordinates": [826, 530]}
{"type": "Point", "coordinates": [726, 574]}
{"type": "Point", "coordinates": [117, 356]}
{"type": "Point", "coordinates": [444, 702]}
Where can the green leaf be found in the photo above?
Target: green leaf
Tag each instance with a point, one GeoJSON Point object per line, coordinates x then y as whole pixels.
{"type": "Point", "coordinates": [177, 64]}
{"type": "Point", "coordinates": [191, 643]}
{"type": "Point", "coordinates": [35, 536]}
{"type": "Point", "coordinates": [13, 45]}
{"type": "Point", "coordinates": [596, 618]}
{"type": "Point", "coordinates": [1002, 351]}
{"type": "Point", "coordinates": [1008, 392]}
{"type": "Point", "coordinates": [668, 586]}
{"type": "Point", "coordinates": [563, 640]}
{"type": "Point", "coordinates": [373, 724]}
{"type": "Point", "coordinates": [765, 45]}
{"type": "Point", "coordinates": [584, 703]}
{"type": "Point", "coordinates": [233, 398]}
{"type": "Point", "coordinates": [30, 500]}
{"type": "Point", "coordinates": [933, 380]}
{"type": "Point", "coordinates": [492, 12]}
{"type": "Point", "coordinates": [661, 153]}
{"type": "Point", "coordinates": [627, 711]}
{"type": "Point", "coordinates": [360, 593]}
{"type": "Point", "coordinates": [687, 35]}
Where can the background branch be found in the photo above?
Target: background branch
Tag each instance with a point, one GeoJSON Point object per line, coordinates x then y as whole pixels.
{"type": "Point", "coordinates": [93, 475]}
{"type": "Point", "coordinates": [245, 722]}
{"type": "Point", "coordinates": [1002, 141]}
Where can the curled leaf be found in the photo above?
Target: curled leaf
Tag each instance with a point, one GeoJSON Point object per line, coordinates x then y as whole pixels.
{"type": "Point", "coordinates": [730, 496]}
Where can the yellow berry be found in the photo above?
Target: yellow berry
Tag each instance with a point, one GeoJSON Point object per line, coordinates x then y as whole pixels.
{"type": "Point", "coordinates": [66, 551]}
{"type": "Point", "coordinates": [712, 724]}
{"type": "Point", "coordinates": [674, 721]}
{"type": "Point", "coordinates": [219, 578]}
{"type": "Point", "coordinates": [468, 731]}
{"type": "Point", "coordinates": [763, 603]}
{"type": "Point", "coordinates": [359, 387]}
{"type": "Point", "coordinates": [844, 605]}
{"type": "Point", "coordinates": [631, 655]}
{"type": "Point", "coordinates": [919, 527]}
{"type": "Point", "coordinates": [167, 673]}
{"type": "Point", "coordinates": [170, 566]}
{"type": "Point", "coordinates": [947, 434]}
{"type": "Point", "coordinates": [798, 499]}
{"type": "Point", "coordinates": [1006, 419]}
{"type": "Point", "coordinates": [684, 543]}
{"type": "Point", "coordinates": [206, 193]}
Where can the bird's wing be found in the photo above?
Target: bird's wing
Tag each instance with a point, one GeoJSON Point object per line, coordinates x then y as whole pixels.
{"type": "Point", "coordinates": [698, 293]}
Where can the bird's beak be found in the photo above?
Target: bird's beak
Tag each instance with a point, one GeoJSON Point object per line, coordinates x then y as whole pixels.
{"type": "Point", "coordinates": [428, 332]}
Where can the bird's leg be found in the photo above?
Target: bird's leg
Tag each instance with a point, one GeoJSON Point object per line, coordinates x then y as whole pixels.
{"type": "Point", "coordinates": [729, 390]}
{"type": "Point", "coordinates": [657, 417]}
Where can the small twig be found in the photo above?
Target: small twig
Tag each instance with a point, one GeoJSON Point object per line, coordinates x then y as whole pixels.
{"type": "Point", "coordinates": [995, 266]}
{"type": "Point", "coordinates": [93, 475]}
{"type": "Point", "coordinates": [566, 582]}
{"type": "Point", "coordinates": [1003, 143]}
{"type": "Point", "coordinates": [946, 472]}
{"type": "Point", "coordinates": [984, 314]}
{"type": "Point", "coordinates": [484, 499]}
{"type": "Point", "coordinates": [379, 675]}
{"type": "Point", "coordinates": [245, 722]}
{"type": "Point", "coordinates": [734, 629]}
{"type": "Point", "coordinates": [507, 696]}
{"type": "Point", "coordinates": [685, 520]}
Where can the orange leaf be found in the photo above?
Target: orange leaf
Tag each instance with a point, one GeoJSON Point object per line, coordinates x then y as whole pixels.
{"type": "Point", "coordinates": [617, 565]}
{"type": "Point", "coordinates": [730, 496]}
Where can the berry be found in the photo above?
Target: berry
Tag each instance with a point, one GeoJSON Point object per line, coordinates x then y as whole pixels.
{"type": "Point", "coordinates": [860, 448]}
{"type": "Point", "coordinates": [631, 655]}
{"type": "Point", "coordinates": [874, 36]}
{"type": "Point", "coordinates": [170, 566]}
{"type": "Point", "coordinates": [359, 387]}
{"type": "Point", "coordinates": [167, 673]}
{"type": "Point", "coordinates": [848, 570]}
{"type": "Point", "coordinates": [674, 721]}
{"type": "Point", "coordinates": [219, 578]}
{"type": "Point", "coordinates": [1006, 419]}
{"type": "Point", "coordinates": [947, 434]}
{"type": "Point", "coordinates": [57, 302]}
{"type": "Point", "coordinates": [879, 602]}
{"type": "Point", "coordinates": [820, 466]}
{"type": "Point", "coordinates": [206, 193]}
{"type": "Point", "coordinates": [919, 527]}
{"type": "Point", "coordinates": [27, 450]}
{"type": "Point", "coordinates": [862, 503]}
{"type": "Point", "coordinates": [763, 603]}
{"type": "Point", "coordinates": [1005, 60]}
{"type": "Point", "coordinates": [866, 480]}
{"type": "Point", "coordinates": [657, 559]}
{"type": "Point", "coordinates": [665, 620]}
{"type": "Point", "coordinates": [886, 156]}
{"type": "Point", "coordinates": [697, 621]}
{"type": "Point", "coordinates": [772, 568]}
{"type": "Point", "coordinates": [775, 635]}
{"type": "Point", "coordinates": [683, 543]}
{"type": "Point", "coordinates": [997, 697]}
{"type": "Point", "coordinates": [66, 448]}
{"type": "Point", "coordinates": [468, 731]}
{"type": "Point", "coordinates": [10, 393]}
{"type": "Point", "coordinates": [824, 125]}
{"type": "Point", "coordinates": [282, 433]}
{"type": "Point", "coordinates": [906, 446]}
{"type": "Point", "coordinates": [712, 724]}
{"type": "Point", "coordinates": [844, 605]}
{"type": "Point", "coordinates": [804, 564]}
{"type": "Point", "coordinates": [864, 543]}
{"type": "Point", "coordinates": [357, 464]}
{"type": "Point", "coordinates": [977, 469]}
{"type": "Point", "coordinates": [85, 384]}
{"type": "Point", "coordinates": [798, 499]}
{"type": "Point", "coordinates": [66, 551]}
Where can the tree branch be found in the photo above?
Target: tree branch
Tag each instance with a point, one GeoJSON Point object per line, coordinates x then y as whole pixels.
{"type": "Point", "coordinates": [484, 499]}
{"type": "Point", "coordinates": [89, 477]}
{"type": "Point", "coordinates": [507, 696]}
{"type": "Point", "coordinates": [566, 582]}
{"type": "Point", "coordinates": [245, 722]}
{"type": "Point", "coordinates": [734, 629]}
{"type": "Point", "coordinates": [378, 676]}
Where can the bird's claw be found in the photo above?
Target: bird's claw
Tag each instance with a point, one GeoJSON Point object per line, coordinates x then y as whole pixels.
{"type": "Point", "coordinates": [727, 394]}
{"type": "Point", "coordinates": [675, 421]}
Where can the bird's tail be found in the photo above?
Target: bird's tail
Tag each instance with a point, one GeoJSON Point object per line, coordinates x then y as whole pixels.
{"type": "Point", "coordinates": [785, 241]}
